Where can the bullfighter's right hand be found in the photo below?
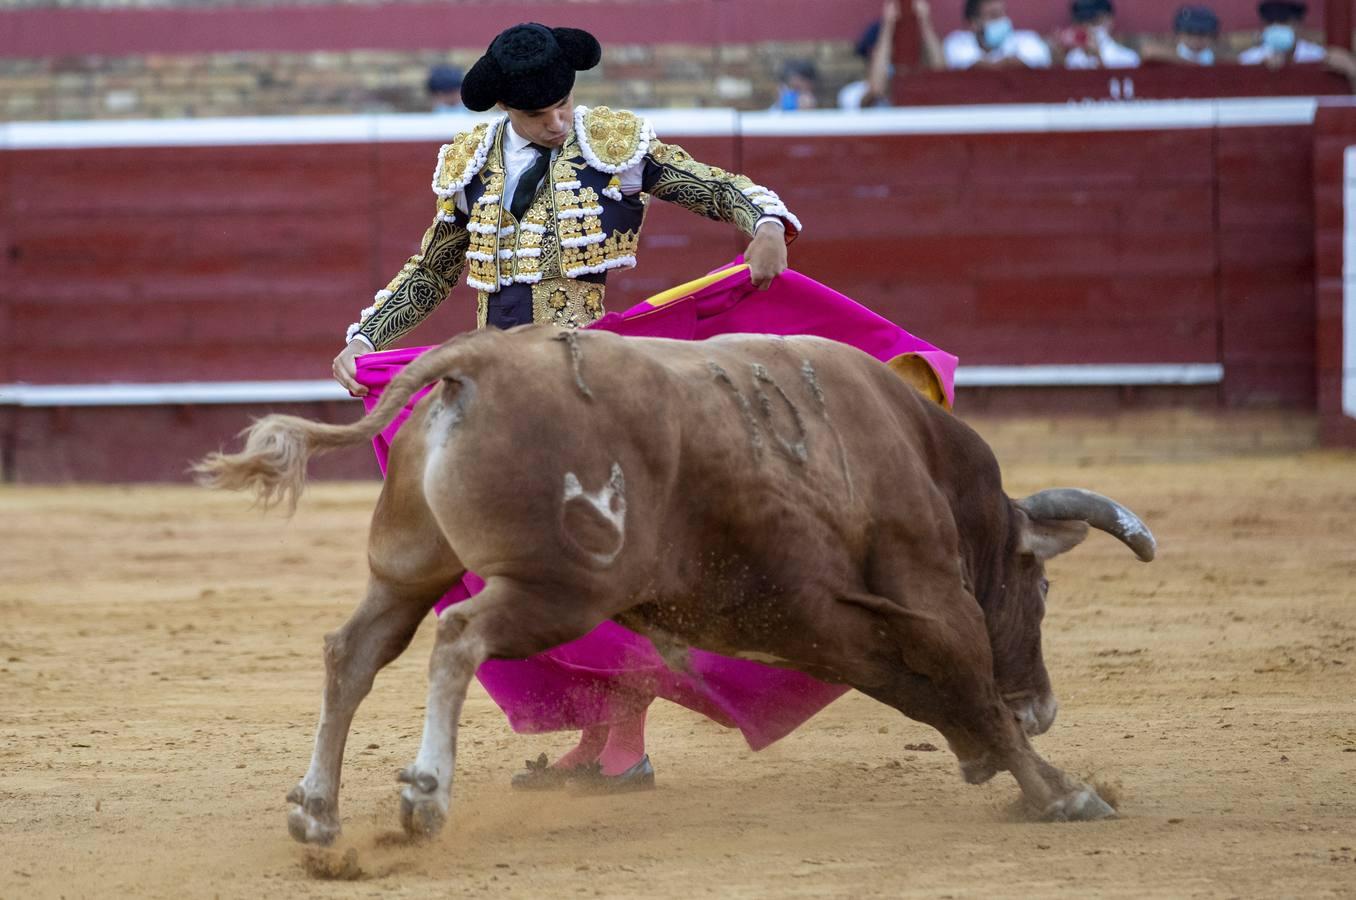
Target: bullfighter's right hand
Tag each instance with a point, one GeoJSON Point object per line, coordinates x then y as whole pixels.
{"type": "Point", "coordinates": [346, 367]}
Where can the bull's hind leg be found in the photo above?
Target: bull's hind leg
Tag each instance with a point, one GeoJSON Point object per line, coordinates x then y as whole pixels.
{"type": "Point", "coordinates": [411, 568]}
{"type": "Point", "coordinates": [506, 620]}
{"type": "Point", "coordinates": [949, 684]}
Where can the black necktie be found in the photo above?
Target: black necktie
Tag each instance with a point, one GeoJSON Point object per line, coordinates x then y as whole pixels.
{"type": "Point", "coordinates": [527, 184]}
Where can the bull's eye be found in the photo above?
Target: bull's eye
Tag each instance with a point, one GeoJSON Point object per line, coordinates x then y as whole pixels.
{"type": "Point", "coordinates": [1045, 586]}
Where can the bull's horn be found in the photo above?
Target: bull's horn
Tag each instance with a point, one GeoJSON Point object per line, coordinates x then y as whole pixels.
{"type": "Point", "coordinates": [1102, 513]}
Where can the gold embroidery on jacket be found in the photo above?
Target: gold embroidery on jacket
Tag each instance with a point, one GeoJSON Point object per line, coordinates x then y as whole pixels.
{"type": "Point", "coordinates": [567, 302]}
{"type": "Point", "coordinates": [496, 250]}
{"type": "Point", "coordinates": [581, 233]}
{"type": "Point", "coordinates": [486, 213]}
{"type": "Point", "coordinates": [526, 243]}
{"type": "Point", "coordinates": [614, 135]}
{"type": "Point", "coordinates": [457, 156]}
{"type": "Point", "coordinates": [709, 191]}
{"type": "Point", "coordinates": [422, 283]}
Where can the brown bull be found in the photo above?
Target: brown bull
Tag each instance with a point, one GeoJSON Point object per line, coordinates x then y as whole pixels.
{"type": "Point", "coordinates": [789, 500]}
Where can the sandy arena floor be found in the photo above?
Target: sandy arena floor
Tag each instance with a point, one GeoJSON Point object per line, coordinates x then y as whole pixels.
{"type": "Point", "coordinates": [160, 675]}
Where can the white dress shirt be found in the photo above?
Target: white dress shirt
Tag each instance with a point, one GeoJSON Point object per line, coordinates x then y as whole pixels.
{"type": "Point", "coordinates": [961, 50]}
{"type": "Point", "coordinates": [1305, 52]}
{"type": "Point", "coordinates": [1110, 55]}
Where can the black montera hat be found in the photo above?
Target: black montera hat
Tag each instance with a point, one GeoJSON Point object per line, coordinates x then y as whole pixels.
{"type": "Point", "coordinates": [1196, 20]}
{"type": "Point", "coordinates": [1087, 10]}
{"type": "Point", "coordinates": [443, 79]}
{"type": "Point", "coordinates": [1280, 10]}
{"type": "Point", "coordinates": [529, 66]}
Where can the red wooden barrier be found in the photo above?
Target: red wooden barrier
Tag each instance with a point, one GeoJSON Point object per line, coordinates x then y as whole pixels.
{"type": "Point", "coordinates": [1195, 245]}
{"type": "Point", "coordinates": [1153, 82]}
{"type": "Point", "coordinates": [1335, 133]}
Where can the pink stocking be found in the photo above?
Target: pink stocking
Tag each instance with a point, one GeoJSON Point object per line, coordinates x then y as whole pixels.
{"type": "Point", "coordinates": [591, 742]}
{"type": "Point", "coordinates": [625, 745]}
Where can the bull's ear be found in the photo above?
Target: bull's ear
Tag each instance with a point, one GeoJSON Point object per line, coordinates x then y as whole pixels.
{"type": "Point", "coordinates": [1048, 538]}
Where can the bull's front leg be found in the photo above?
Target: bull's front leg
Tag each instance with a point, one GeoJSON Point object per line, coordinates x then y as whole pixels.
{"type": "Point", "coordinates": [1055, 796]}
{"type": "Point", "coordinates": [506, 620]}
{"type": "Point", "coordinates": [457, 653]}
{"type": "Point", "coordinates": [987, 737]}
{"type": "Point", "coordinates": [947, 681]}
{"type": "Point", "coordinates": [378, 631]}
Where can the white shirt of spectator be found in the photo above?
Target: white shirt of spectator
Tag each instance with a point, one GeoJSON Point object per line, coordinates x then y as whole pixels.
{"type": "Point", "coordinates": [961, 50]}
{"type": "Point", "coordinates": [1205, 57]}
{"type": "Point", "coordinates": [852, 94]}
{"type": "Point", "coordinates": [1111, 55]}
{"type": "Point", "coordinates": [1305, 52]}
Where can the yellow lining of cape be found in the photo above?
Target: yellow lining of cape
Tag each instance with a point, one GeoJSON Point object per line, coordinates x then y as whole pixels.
{"type": "Point", "coordinates": [691, 287]}
{"type": "Point", "coordinates": [910, 367]}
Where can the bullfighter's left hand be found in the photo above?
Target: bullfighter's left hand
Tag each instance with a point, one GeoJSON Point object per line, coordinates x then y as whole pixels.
{"type": "Point", "coordinates": [766, 255]}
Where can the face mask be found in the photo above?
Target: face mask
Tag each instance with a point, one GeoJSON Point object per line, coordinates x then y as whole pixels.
{"type": "Point", "coordinates": [1204, 57]}
{"type": "Point", "coordinates": [787, 99]}
{"type": "Point", "coordinates": [996, 31]}
{"type": "Point", "coordinates": [1098, 33]}
{"type": "Point", "coordinates": [1279, 38]}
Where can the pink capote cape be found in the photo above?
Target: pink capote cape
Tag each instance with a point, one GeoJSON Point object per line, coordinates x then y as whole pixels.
{"type": "Point", "coordinates": [611, 673]}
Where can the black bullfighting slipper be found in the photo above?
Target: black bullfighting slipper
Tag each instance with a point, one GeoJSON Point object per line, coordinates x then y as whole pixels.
{"type": "Point", "coordinates": [639, 777]}
{"type": "Point", "coordinates": [540, 775]}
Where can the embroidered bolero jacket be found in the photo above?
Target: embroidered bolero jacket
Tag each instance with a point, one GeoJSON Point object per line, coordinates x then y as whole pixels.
{"type": "Point", "coordinates": [580, 226]}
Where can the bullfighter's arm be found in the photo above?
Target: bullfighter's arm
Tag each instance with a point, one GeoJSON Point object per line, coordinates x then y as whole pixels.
{"type": "Point", "coordinates": [670, 173]}
{"type": "Point", "coordinates": [421, 284]}
{"type": "Point", "coordinates": [623, 144]}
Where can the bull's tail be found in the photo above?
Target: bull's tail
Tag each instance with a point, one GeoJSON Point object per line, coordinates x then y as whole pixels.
{"type": "Point", "coordinates": [277, 447]}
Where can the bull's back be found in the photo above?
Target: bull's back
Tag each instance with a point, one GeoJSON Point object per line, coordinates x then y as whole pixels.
{"type": "Point", "coordinates": [740, 437]}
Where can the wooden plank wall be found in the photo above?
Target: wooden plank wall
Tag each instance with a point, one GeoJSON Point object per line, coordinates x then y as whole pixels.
{"type": "Point", "coordinates": [1266, 264]}
{"type": "Point", "coordinates": [1161, 82]}
{"type": "Point", "coordinates": [1335, 131]}
{"type": "Point", "coordinates": [1026, 248]}
{"type": "Point", "coordinates": [1191, 245]}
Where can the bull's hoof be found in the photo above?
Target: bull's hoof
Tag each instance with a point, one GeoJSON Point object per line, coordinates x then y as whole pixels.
{"type": "Point", "coordinates": [1082, 805]}
{"type": "Point", "coordinates": [311, 820]}
{"type": "Point", "coordinates": [422, 807]}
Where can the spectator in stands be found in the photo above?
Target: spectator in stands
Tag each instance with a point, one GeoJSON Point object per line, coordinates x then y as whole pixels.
{"type": "Point", "coordinates": [444, 89]}
{"type": "Point", "coordinates": [876, 47]}
{"type": "Point", "coordinates": [1088, 44]}
{"type": "Point", "coordinates": [1280, 43]}
{"type": "Point", "coordinates": [1195, 31]}
{"type": "Point", "coordinates": [796, 86]}
{"type": "Point", "coordinates": [1193, 42]}
{"type": "Point", "coordinates": [990, 41]}
{"type": "Point", "coordinates": [1195, 34]}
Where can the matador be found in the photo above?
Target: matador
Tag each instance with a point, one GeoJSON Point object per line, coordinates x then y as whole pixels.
{"type": "Point", "coordinates": [537, 207]}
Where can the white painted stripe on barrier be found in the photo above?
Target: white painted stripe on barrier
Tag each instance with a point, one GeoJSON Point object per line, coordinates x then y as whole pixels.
{"type": "Point", "coordinates": [1240, 112]}
{"type": "Point", "coordinates": [225, 132]}
{"type": "Point", "coordinates": [191, 393]}
{"type": "Point", "coordinates": [694, 122]}
{"type": "Point", "coordinates": [1099, 375]}
{"type": "Point", "coordinates": [433, 127]}
{"type": "Point", "coordinates": [182, 393]}
{"type": "Point", "coordinates": [1349, 288]}
{"type": "Point", "coordinates": [980, 119]}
